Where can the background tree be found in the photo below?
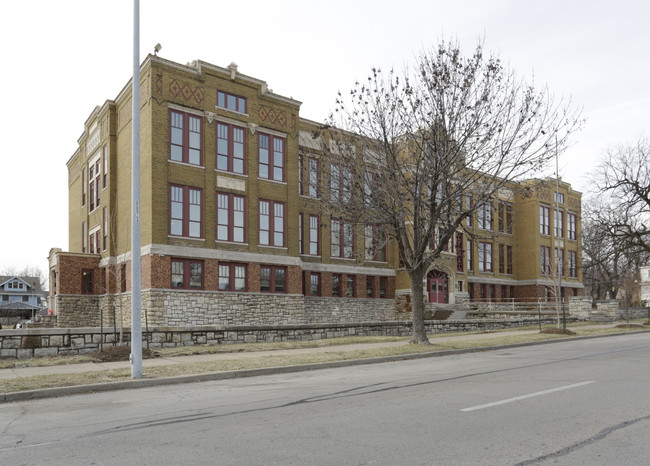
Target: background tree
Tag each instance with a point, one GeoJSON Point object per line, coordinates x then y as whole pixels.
{"type": "Point", "coordinates": [610, 263]}
{"type": "Point", "coordinates": [419, 151]}
{"type": "Point", "coordinates": [623, 184]}
{"type": "Point", "coordinates": [28, 271]}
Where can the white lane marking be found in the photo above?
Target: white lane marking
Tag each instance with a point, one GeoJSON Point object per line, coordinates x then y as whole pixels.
{"type": "Point", "coordinates": [530, 395]}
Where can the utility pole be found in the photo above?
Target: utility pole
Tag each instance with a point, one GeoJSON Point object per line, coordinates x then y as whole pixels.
{"type": "Point", "coordinates": [558, 260]}
{"type": "Point", "coordinates": [136, 292]}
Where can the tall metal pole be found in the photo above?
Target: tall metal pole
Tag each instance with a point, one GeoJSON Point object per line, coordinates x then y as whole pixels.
{"type": "Point", "coordinates": [136, 294]}
{"type": "Point", "coordinates": [558, 259]}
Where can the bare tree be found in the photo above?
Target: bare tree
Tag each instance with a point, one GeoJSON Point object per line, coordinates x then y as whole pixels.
{"type": "Point", "coordinates": [28, 271]}
{"type": "Point", "coordinates": [623, 182]}
{"type": "Point", "coordinates": [610, 264]}
{"type": "Point", "coordinates": [420, 151]}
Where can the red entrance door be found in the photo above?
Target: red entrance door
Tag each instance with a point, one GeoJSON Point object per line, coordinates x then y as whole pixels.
{"type": "Point", "coordinates": [438, 287]}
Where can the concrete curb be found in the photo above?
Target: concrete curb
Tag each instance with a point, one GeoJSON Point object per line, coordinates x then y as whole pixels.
{"type": "Point", "coordinates": [140, 383]}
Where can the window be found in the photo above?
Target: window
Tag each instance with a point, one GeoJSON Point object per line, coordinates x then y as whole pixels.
{"type": "Point", "coordinates": [369, 186]}
{"type": "Point", "coordinates": [187, 274]}
{"type": "Point", "coordinates": [122, 278]}
{"type": "Point", "coordinates": [349, 286]}
{"type": "Point", "coordinates": [97, 179]}
{"type": "Point", "coordinates": [91, 187]}
{"type": "Point", "coordinates": [185, 211]}
{"type": "Point", "coordinates": [271, 223]}
{"type": "Point", "coordinates": [375, 247]}
{"type": "Point", "coordinates": [97, 240]}
{"type": "Point", "coordinates": [231, 218]}
{"type": "Point", "coordinates": [558, 223]}
{"type": "Point", "coordinates": [83, 187]}
{"type": "Point", "coordinates": [370, 286]}
{"type": "Point", "coordinates": [301, 220]}
{"type": "Point", "coordinates": [559, 261]}
{"type": "Point", "coordinates": [544, 220]}
{"type": "Point", "coordinates": [485, 217]}
{"type": "Point", "coordinates": [271, 157]}
{"type": "Point", "coordinates": [272, 279]}
{"type": "Point", "coordinates": [231, 144]}
{"type": "Point", "coordinates": [571, 226]}
{"type": "Point", "coordinates": [509, 260]}
{"type": "Point", "coordinates": [340, 183]}
{"type": "Point", "coordinates": [383, 287]}
{"type": "Point", "coordinates": [105, 228]}
{"type": "Point", "coordinates": [92, 243]}
{"type": "Point", "coordinates": [546, 260]}
{"type": "Point", "coordinates": [559, 198]}
{"type": "Point", "coordinates": [104, 166]}
{"type": "Point", "coordinates": [484, 257]}
{"type": "Point", "coordinates": [185, 141]}
{"type": "Point", "coordinates": [468, 206]}
{"type": "Point", "coordinates": [232, 277]}
{"type": "Point", "coordinates": [312, 190]}
{"type": "Point", "coordinates": [342, 241]}
{"type": "Point", "coordinates": [470, 261]}
{"type": "Point", "coordinates": [573, 269]}
{"type": "Point", "coordinates": [505, 217]}
{"type": "Point", "coordinates": [231, 102]}
{"type": "Point", "coordinates": [502, 258]}
{"type": "Point", "coordinates": [314, 283]}
{"type": "Point", "coordinates": [83, 236]}
{"type": "Point", "coordinates": [336, 284]}
{"type": "Point", "coordinates": [86, 282]}
{"type": "Point", "coordinates": [313, 235]}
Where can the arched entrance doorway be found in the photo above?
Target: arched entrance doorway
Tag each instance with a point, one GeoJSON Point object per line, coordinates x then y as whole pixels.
{"type": "Point", "coordinates": [438, 287]}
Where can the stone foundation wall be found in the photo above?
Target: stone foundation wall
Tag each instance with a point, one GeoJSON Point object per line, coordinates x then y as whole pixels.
{"type": "Point", "coordinates": [28, 343]}
{"type": "Point", "coordinates": [338, 310]}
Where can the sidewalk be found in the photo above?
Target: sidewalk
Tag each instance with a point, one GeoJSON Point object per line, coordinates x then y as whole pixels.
{"type": "Point", "coordinates": [11, 373]}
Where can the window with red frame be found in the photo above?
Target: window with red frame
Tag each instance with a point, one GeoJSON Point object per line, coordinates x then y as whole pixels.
{"type": "Point", "coordinates": [314, 246]}
{"type": "Point", "coordinates": [545, 254]}
{"type": "Point", "coordinates": [301, 220]}
{"type": "Point", "coordinates": [544, 220]}
{"type": "Point", "coordinates": [187, 274]}
{"type": "Point", "coordinates": [571, 226]}
{"type": "Point", "coordinates": [314, 283]}
{"type": "Point", "coordinates": [558, 223]}
{"type": "Point", "coordinates": [83, 236]}
{"type": "Point", "coordinates": [336, 284]}
{"type": "Point", "coordinates": [231, 217]}
{"type": "Point", "coordinates": [104, 166]}
{"type": "Point", "coordinates": [185, 138]}
{"type": "Point", "coordinates": [105, 228]}
{"type": "Point", "coordinates": [375, 243]}
{"type": "Point", "coordinates": [350, 286]}
{"type": "Point", "coordinates": [273, 279]}
{"type": "Point", "coordinates": [484, 257]}
{"type": "Point", "coordinates": [383, 287]}
{"type": "Point", "coordinates": [231, 102]}
{"type": "Point", "coordinates": [232, 277]}
{"type": "Point", "coordinates": [342, 239]}
{"type": "Point", "coordinates": [91, 187]}
{"type": "Point", "coordinates": [97, 240]}
{"type": "Point", "coordinates": [271, 223]}
{"type": "Point", "coordinates": [92, 243]}
{"type": "Point", "coordinates": [370, 287]}
{"type": "Point", "coordinates": [83, 187]}
{"type": "Point", "coordinates": [231, 148]}
{"type": "Point", "coordinates": [185, 211]}
{"type": "Point", "coordinates": [485, 217]}
{"type": "Point", "coordinates": [271, 157]}
{"type": "Point", "coordinates": [573, 269]}
{"type": "Point", "coordinates": [87, 282]}
{"type": "Point", "coordinates": [470, 256]}
{"type": "Point", "coordinates": [340, 183]}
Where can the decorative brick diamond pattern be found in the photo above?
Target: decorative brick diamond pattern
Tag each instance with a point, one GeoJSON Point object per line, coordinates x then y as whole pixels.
{"type": "Point", "coordinates": [271, 115]}
{"type": "Point", "coordinates": [159, 83]}
{"type": "Point", "coordinates": [186, 91]}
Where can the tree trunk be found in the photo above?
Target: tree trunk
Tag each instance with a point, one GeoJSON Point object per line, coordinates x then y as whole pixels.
{"type": "Point", "coordinates": [419, 334]}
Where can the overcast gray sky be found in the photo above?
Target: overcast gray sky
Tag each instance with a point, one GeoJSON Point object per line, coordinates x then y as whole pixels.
{"type": "Point", "coordinates": [61, 59]}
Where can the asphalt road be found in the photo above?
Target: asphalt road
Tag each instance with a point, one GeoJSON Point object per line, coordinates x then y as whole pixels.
{"type": "Point", "coordinates": [568, 403]}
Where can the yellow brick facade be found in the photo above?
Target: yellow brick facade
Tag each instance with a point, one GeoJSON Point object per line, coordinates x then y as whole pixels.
{"type": "Point", "coordinates": [192, 90]}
